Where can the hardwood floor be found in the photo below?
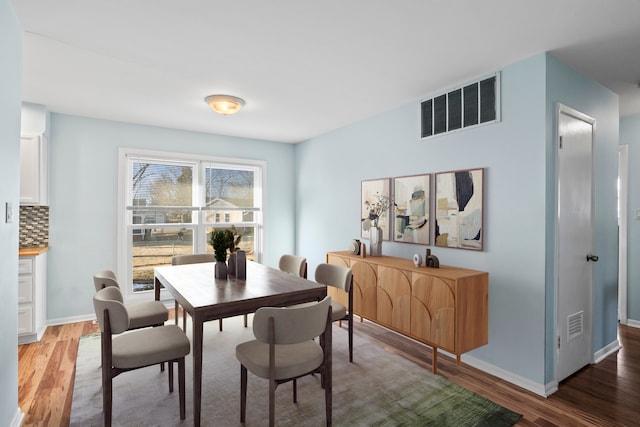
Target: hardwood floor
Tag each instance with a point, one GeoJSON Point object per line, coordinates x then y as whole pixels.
{"type": "Point", "coordinates": [606, 394]}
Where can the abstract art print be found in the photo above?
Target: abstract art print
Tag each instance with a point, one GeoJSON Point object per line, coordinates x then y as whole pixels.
{"type": "Point", "coordinates": [375, 203]}
{"type": "Point", "coordinates": [459, 209]}
{"type": "Point", "coordinates": [411, 217]}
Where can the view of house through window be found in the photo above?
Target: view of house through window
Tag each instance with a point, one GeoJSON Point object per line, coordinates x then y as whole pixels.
{"type": "Point", "coordinates": [174, 203]}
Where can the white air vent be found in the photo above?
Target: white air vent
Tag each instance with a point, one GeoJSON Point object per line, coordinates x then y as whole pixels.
{"type": "Point", "coordinates": [470, 105]}
{"type": "Point", "coordinates": [575, 323]}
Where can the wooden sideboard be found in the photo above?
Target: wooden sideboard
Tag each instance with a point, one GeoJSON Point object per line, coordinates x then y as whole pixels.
{"type": "Point", "coordinates": [444, 307]}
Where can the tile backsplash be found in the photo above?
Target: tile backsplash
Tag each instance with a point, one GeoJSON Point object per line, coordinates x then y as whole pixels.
{"type": "Point", "coordinates": [34, 226]}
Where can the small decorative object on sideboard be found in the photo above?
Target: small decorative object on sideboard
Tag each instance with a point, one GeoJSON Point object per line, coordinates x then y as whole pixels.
{"type": "Point", "coordinates": [417, 260]}
{"type": "Point", "coordinates": [354, 247]}
{"type": "Point", "coordinates": [432, 260]}
{"type": "Point", "coordinates": [221, 240]}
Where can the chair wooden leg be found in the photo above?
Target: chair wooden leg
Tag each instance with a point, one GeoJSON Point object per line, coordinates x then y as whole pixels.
{"type": "Point", "coordinates": [272, 402]}
{"type": "Point", "coordinates": [246, 320]}
{"type": "Point", "coordinates": [170, 376]}
{"type": "Point", "coordinates": [181, 388]}
{"type": "Point", "coordinates": [295, 390]}
{"type": "Point", "coordinates": [243, 393]}
{"type": "Point", "coordinates": [220, 322]}
{"type": "Point", "coordinates": [350, 338]}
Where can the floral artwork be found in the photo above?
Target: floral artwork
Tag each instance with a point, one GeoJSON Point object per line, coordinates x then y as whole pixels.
{"type": "Point", "coordinates": [376, 201]}
{"type": "Point", "coordinates": [411, 218]}
{"type": "Point", "coordinates": [459, 209]}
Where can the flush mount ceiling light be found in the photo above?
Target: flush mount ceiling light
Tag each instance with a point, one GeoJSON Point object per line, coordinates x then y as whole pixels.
{"type": "Point", "coordinates": [225, 104]}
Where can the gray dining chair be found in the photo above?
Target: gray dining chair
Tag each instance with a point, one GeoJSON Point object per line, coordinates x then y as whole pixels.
{"type": "Point", "coordinates": [142, 314]}
{"type": "Point", "coordinates": [293, 264]}
{"type": "Point", "coordinates": [285, 350]}
{"type": "Point", "coordinates": [136, 349]}
{"type": "Point", "coordinates": [342, 278]}
{"type": "Point", "coordinates": [192, 259]}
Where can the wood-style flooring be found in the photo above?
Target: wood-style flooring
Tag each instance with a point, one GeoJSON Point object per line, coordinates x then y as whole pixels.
{"type": "Point", "coordinates": [606, 394]}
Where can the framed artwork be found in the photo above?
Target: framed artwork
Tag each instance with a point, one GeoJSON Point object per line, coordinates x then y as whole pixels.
{"type": "Point", "coordinates": [411, 210]}
{"type": "Point", "coordinates": [459, 209]}
{"type": "Point", "coordinates": [375, 203]}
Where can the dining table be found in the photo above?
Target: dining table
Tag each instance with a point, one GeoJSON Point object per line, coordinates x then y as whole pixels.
{"type": "Point", "coordinates": [205, 298]}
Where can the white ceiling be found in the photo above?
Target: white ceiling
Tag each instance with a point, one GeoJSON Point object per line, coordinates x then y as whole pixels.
{"type": "Point", "coordinates": [304, 68]}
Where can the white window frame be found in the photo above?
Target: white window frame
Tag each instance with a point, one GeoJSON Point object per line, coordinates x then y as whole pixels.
{"type": "Point", "coordinates": [124, 243]}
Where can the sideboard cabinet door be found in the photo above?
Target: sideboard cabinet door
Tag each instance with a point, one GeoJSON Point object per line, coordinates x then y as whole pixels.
{"type": "Point", "coordinates": [433, 311]}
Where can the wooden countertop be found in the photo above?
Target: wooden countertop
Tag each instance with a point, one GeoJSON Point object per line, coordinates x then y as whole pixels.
{"type": "Point", "coordinates": [32, 250]}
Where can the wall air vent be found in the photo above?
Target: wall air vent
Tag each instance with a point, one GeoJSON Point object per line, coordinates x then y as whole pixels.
{"type": "Point", "coordinates": [472, 104]}
{"type": "Point", "coordinates": [575, 325]}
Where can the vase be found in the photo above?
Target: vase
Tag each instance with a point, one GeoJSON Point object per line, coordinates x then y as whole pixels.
{"type": "Point", "coordinates": [375, 241]}
{"type": "Point", "coordinates": [231, 264]}
{"type": "Point", "coordinates": [241, 265]}
{"type": "Point", "coordinates": [221, 270]}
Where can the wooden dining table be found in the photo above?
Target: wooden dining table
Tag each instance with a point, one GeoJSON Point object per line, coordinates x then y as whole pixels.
{"type": "Point", "coordinates": [205, 298]}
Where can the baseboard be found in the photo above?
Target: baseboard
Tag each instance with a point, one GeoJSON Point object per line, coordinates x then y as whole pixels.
{"type": "Point", "coordinates": [87, 317]}
{"type": "Point", "coordinates": [534, 387]}
{"type": "Point", "coordinates": [606, 351]}
{"type": "Point", "coordinates": [633, 323]}
{"type": "Point", "coordinates": [18, 418]}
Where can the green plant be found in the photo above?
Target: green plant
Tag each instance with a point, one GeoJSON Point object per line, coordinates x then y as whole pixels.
{"type": "Point", "coordinates": [221, 240]}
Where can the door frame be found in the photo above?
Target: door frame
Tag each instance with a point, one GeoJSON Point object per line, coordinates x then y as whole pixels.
{"type": "Point", "coordinates": [563, 109]}
{"type": "Point", "coordinates": [623, 217]}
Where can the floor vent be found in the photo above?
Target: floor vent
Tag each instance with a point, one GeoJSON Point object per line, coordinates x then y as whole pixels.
{"type": "Point", "coordinates": [575, 323]}
{"type": "Point", "coordinates": [473, 104]}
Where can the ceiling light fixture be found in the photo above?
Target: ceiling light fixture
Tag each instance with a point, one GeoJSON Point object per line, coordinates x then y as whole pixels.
{"type": "Point", "coordinates": [225, 104]}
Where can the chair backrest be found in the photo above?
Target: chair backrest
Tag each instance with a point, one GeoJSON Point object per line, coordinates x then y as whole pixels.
{"type": "Point", "coordinates": [192, 259]}
{"type": "Point", "coordinates": [334, 275]}
{"type": "Point", "coordinates": [294, 264]}
{"type": "Point", "coordinates": [110, 299]}
{"type": "Point", "coordinates": [292, 324]}
{"type": "Point", "coordinates": [105, 278]}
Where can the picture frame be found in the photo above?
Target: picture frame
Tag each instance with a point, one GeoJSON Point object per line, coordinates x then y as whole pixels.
{"type": "Point", "coordinates": [459, 208]}
{"type": "Point", "coordinates": [412, 209]}
{"type": "Point", "coordinates": [375, 196]}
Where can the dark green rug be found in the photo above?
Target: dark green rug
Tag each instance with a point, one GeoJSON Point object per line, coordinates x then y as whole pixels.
{"type": "Point", "coordinates": [379, 389]}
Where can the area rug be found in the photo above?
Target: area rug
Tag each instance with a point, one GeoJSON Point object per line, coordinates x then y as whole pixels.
{"type": "Point", "coordinates": [378, 389]}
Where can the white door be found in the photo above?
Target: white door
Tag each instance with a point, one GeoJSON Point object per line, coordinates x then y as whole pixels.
{"type": "Point", "coordinates": [574, 241]}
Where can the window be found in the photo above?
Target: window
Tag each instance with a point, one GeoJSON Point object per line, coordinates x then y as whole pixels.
{"type": "Point", "coordinates": [170, 203]}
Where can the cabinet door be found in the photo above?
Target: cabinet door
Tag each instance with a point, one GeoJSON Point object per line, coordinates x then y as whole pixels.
{"type": "Point", "coordinates": [394, 298]}
{"type": "Point", "coordinates": [25, 289]}
{"type": "Point", "coordinates": [33, 171]}
{"type": "Point", "coordinates": [25, 319]}
{"type": "Point", "coordinates": [364, 289]}
{"type": "Point", "coordinates": [433, 311]}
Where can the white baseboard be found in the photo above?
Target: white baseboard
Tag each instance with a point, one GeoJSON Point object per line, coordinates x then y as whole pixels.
{"type": "Point", "coordinates": [86, 317]}
{"type": "Point", "coordinates": [632, 323]}
{"type": "Point", "coordinates": [606, 351]}
{"type": "Point", "coordinates": [18, 418]}
{"type": "Point", "coordinates": [534, 387]}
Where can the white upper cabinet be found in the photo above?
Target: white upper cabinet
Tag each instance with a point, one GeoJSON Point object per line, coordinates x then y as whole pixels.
{"type": "Point", "coordinates": [33, 170]}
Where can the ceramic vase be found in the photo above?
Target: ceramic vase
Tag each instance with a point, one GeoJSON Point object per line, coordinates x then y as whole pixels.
{"type": "Point", "coordinates": [231, 264]}
{"type": "Point", "coordinates": [221, 270]}
{"type": "Point", "coordinates": [375, 241]}
{"type": "Point", "coordinates": [241, 265]}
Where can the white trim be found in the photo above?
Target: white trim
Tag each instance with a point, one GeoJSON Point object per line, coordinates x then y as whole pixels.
{"type": "Point", "coordinates": [18, 418]}
{"type": "Point", "coordinates": [92, 317]}
{"type": "Point", "coordinates": [633, 323]}
{"type": "Point", "coordinates": [623, 198]}
{"type": "Point", "coordinates": [606, 351]}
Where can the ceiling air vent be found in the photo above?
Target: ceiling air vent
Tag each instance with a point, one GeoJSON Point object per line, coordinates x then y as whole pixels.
{"type": "Point", "coordinates": [473, 104]}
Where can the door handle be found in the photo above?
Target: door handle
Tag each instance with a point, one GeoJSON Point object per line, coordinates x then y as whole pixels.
{"type": "Point", "coordinates": [591, 257]}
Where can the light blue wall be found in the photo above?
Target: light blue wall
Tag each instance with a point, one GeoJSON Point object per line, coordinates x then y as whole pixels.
{"type": "Point", "coordinates": [583, 94]}
{"type": "Point", "coordinates": [83, 197]}
{"type": "Point", "coordinates": [10, 97]}
{"type": "Point", "coordinates": [630, 135]}
{"type": "Point", "coordinates": [330, 168]}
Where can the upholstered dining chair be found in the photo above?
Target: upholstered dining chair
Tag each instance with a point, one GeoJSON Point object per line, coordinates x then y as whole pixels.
{"type": "Point", "coordinates": [191, 259]}
{"type": "Point", "coordinates": [142, 314]}
{"type": "Point", "coordinates": [285, 350]}
{"type": "Point", "coordinates": [293, 264]}
{"type": "Point", "coordinates": [342, 278]}
{"type": "Point", "coordinates": [135, 349]}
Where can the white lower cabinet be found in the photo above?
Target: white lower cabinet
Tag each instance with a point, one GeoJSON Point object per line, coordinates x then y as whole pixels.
{"type": "Point", "coordinates": [32, 298]}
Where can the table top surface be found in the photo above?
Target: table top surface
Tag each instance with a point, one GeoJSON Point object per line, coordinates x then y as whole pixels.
{"type": "Point", "coordinates": [196, 288]}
